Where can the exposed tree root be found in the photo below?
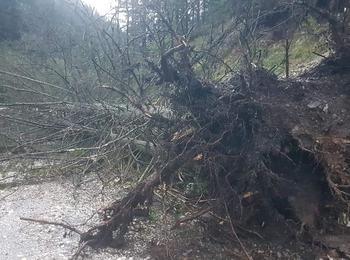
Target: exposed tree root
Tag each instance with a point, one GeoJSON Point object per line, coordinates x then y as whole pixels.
{"type": "Point", "coordinates": [118, 216]}
{"type": "Point", "coordinates": [45, 222]}
{"type": "Point", "coordinates": [266, 155]}
{"type": "Point", "coordinates": [258, 157]}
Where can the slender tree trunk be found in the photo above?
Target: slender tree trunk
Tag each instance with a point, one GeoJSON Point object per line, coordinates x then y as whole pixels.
{"type": "Point", "coordinates": [287, 48]}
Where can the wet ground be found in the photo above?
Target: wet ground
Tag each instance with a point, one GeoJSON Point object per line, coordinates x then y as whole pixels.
{"type": "Point", "coordinates": [55, 201]}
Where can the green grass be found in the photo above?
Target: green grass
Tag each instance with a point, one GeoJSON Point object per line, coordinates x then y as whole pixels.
{"type": "Point", "coordinates": [309, 38]}
{"type": "Point", "coordinates": [301, 52]}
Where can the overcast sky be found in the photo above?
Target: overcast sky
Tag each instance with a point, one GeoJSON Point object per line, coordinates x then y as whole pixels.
{"type": "Point", "coordinates": [101, 6]}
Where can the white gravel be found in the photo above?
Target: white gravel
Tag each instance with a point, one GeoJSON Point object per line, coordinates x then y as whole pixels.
{"type": "Point", "coordinates": [54, 201]}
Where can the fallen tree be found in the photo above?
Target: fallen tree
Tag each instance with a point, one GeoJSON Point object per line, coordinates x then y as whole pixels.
{"type": "Point", "coordinates": [262, 148]}
{"type": "Point", "coordinates": [269, 150]}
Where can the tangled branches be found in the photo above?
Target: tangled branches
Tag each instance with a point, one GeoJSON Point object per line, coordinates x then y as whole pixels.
{"type": "Point", "coordinates": [252, 138]}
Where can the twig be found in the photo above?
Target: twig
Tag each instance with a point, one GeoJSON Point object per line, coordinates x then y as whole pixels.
{"type": "Point", "coordinates": [35, 81]}
{"type": "Point", "coordinates": [28, 122]}
{"type": "Point", "coordinates": [251, 232]}
{"type": "Point", "coordinates": [29, 91]}
{"type": "Point", "coordinates": [236, 236]}
{"type": "Point", "coordinates": [8, 195]}
{"type": "Point", "coordinates": [80, 249]}
{"type": "Point", "coordinates": [320, 55]}
{"type": "Point", "coordinates": [191, 217]}
{"type": "Point", "coordinates": [60, 224]}
{"type": "Point", "coordinates": [33, 104]}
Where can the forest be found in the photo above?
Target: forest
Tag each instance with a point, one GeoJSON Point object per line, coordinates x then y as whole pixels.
{"type": "Point", "coordinates": [175, 129]}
